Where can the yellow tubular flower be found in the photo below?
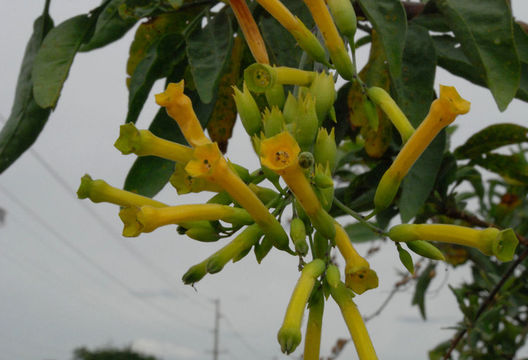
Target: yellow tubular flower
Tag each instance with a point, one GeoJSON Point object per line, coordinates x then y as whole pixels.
{"type": "Point", "coordinates": [306, 40]}
{"type": "Point", "coordinates": [251, 31]}
{"type": "Point", "coordinates": [354, 322]}
{"type": "Point", "coordinates": [289, 335]}
{"type": "Point", "coordinates": [381, 98]}
{"type": "Point", "coordinates": [312, 339]}
{"type": "Point", "coordinates": [490, 241]}
{"type": "Point", "coordinates": [280, 154]}
{"type": "Point", "coordinates": [101, 191]}
{"type": "Point", "coordinates": [333, 41]}
{"type": "Point", "coordinates": [443, 112]}
{"type": "Point", "coordinates": [143, 143]}
{"type": "Point", "coordinates": [146, 219]}
{"type": "Point", "coordinates": [179, 107]}
{"type": "Point", "coordinates": [358, 275]}
{"type": "Point", "coordinates": [185, 183]}
{"type": "Point", "coordinates": [208, 163]}
{"type": "Point", "coordinates": [261, 77]}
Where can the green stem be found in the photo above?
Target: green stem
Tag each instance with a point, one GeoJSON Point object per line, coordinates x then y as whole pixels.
{"type": "Point", "coordinates": [359, 218]}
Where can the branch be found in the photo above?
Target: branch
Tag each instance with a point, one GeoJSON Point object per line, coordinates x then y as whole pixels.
{"type": "Point", "coordinates": [487, 301]}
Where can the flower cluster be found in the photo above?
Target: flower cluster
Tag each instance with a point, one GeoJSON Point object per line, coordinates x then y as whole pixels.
{"type": "Point", "coordinates": [293, 138]}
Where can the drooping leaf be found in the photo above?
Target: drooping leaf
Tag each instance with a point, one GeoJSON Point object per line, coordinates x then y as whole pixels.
{"type": "Point", "coordinates": [419, 182]}
{"type": "Point", "coordinates": [27, 119]}
{"type": "Point", "coordinates": [359, 233]}
{"type": "Point", "coordinates": [415, 90]}
{"type": "Point", "coordinates": [485, 32]}
{"type": "Point", "coordinates": [110, 26]}
{"type": "Point", "coordinates": [511, 167]}
{"type": "Point", "coordinates": [415, 94]}
{"type": "Point", "coordinates": [160, 58]}
{"type": "Point", "coordinates": [208, 50]}
{"type": "Point", "coordinates": [54, 59]}
{"type": "Point", "coordinates": [491, 138]}
{"type": "Point", "coordinates": [424, 280]}
{"type": "Point", "coordinates": [223, 117]}
{"type": "Point", "coordinates": [179, 22]}
{"type": "Point", "coordinates": [389, 19]}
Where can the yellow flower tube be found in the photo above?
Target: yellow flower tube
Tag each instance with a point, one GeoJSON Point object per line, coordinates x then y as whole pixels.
{"type": "Point", "coordinates": [358, 275]}
{"type": "Point", "coordinates": [289, 335]}
{"type": "Point", "coordinates": [333, 41]}
{"type": "Point", "coordinates": [208, 163]}
{"type": "Point", "coordinates": [304, 37]}
{"type": "Point", "coordinates": [490, 241]}
{"type": "Point", "coordinates": [146, 219]}
{"type": "Point", "coordinates": [250, 30]}
{"type": "Point", "coordinates": [144, 142]}
{"type": "Point", "coordinates": [443, 112]}
{"type": "Point", "coordinates": [101, 191]}
{"type": "Point", "coordinates": [354, 321]}
{"type": "Point", "coordinates": [179, 107]}
{"type": "Point", "coordinates": [280, 154]}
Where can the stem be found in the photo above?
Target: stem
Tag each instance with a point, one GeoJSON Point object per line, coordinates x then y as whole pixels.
{"type": "Point", "coordinates": [487, 301]}
{"type": "Point", "coordinates": [359, 218]}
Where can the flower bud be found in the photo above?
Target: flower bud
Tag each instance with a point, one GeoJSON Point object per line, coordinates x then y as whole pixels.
{"type": "Point", "coordinates": [248, 110]}
{"type": "Point", "coordinates": [264, 194]}
{"type": "Point", "coordinates": [325, 149]}
{"type": "Point", "coordinates": [425, 249]}
{"type": "Point", "coordinates": [306, 160]}
{"type": "Point", "coordinates": [273, 121]}
{"type": "Point", "coordinates": [312, 340]}
{"type": "Point", "coordinates": [275, 96]}
{"type": "Point", "coordinates": [323, 90]}
{"type": "Point", "coordinates": [344, 17]}
{"type": "Point", "coordinates": [386, 191]}
{"type": "Point", "coordinates": [333, 278]}
{"type": "Point", "coordinates": [298, 236]}
{"type": "Point", "coordinates": [381, 98]}
{"type": "Point", "coordinates": [195, 273]}
{"type": "Point", "coordinates": [241, 244]}
{"type": "Point", "coordinates": [202, 233]}
{"type": "Point", "coordinates": [289, 110]}
{"type": "Point", "coordinates": [325, 192]}
{"type": "Point", "coordinates": [405, 258]}
{"type": "Point", "coordinates": [289, 335]}
{"type": "Point", "coordinates": [305, 124]}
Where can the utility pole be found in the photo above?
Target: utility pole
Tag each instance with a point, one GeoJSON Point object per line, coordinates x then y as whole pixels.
{"type": "Point", "coordinates": [216, 328]}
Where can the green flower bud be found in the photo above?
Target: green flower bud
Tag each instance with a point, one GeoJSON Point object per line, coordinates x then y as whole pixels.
{"type": "Point", "coordinates": [371, 112]}
{"type": "Point", "coordinates": [241, 244]}
{"type": "Point", "coordinates": [323, 181]}
{"type": "Point", "coordinates": [312, 340]}
{"type": "Point", "coordinates": [344, 17]}
{"type": "Point", "coordinates": [305, 124]}
{"type": "Point", "coordinates": [248, 110]}
{"type": "Point", "coordinates": [323, 223]}
{"type": "Point", "coordinates": [273, 121]}
{"type": "Point", "coordinates": [306, 160]}
{"type": "Point", "coordinates": [325, 193]}
{"type": "Point", "coordinates": [264, 194]}
{"type": "Point", "coordinates": [241, 171]}
{"type": "Point", "coordinates": [425, 249]}
{"type": "Point", "coordinates": [325, 149]}
{"type": "Point", "coordinates": [275, 96]}
{"type": "Point", "coordinates": [333, 278]}
{"type": "Point", "coordinates": [290, 109]}
{"type": "Point", "coordinates": [323, 90]}
{"type": "Point", "coordinates": [202, 233]}
{"type": "Point", "coordinates": [195, 273]}
{"type": "Point", "coordinates": [221, 198]}
{"type": "Point", "coordinates": [298, 236]}
{"type": "Point", "coordinates": [386, 191]}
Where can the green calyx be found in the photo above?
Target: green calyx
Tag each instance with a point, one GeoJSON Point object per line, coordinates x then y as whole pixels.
{"type": "Point", "coordinates": [247, 109]}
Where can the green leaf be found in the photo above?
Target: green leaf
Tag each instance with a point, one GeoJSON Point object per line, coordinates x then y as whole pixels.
{"type": "Point", "coordinates": [208, 50]}
{"type": "Point", "coordinates": [424, 280]}
{"type": "Point", "coordinates": [491, 138]}
{"type": "Point", "coordinates": [511, 167]}
{"type": "Point", "coordinates": [389, 20]}
{"type": "Point", "coordinates": [419, 182]}
{"type": "Point", "coordinates": [27, 119]}
{"type": "Point", "coordinates": [359, 233]}
{"type": "Point", "coordinates": [110, 26]}
{"type": "Point", "coordinates": [160, 58]}
{"type": "Point", "coordinates": [54, 59]}
{"type": "Point", "coordinates": [415, 90]}
{"type": "Point", "coordinates": [485, 31]}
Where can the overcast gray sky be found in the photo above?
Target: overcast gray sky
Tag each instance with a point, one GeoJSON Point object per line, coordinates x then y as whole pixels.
{"type": "Point", "coordinates": [67, 277]}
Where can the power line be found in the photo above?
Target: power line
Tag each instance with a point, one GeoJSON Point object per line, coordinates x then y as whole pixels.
{"type": "Point", "coordinates": [241, 338]}
{"type": "Point", "coordinates": [111, 277]}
